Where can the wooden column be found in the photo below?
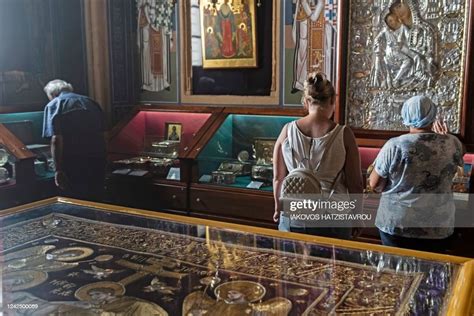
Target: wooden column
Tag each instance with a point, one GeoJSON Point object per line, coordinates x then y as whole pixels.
{"type": "Point", "coordinates": [96, 35]}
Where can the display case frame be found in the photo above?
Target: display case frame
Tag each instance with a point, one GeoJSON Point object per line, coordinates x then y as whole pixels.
{"type": "Point", "coordinates": [459, 300]}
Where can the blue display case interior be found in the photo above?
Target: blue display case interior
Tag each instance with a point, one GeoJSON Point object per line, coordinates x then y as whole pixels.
{"type": "Point", "coordinates": [238, 133]}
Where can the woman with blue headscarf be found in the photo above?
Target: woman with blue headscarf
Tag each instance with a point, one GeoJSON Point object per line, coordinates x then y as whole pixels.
{"type": "Point", "coordinates": [414, 172]}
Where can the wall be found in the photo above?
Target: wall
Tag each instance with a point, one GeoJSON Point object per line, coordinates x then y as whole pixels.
{"type": "Point", "coordinates": [41, 41]}
{"type": "Point", "coordinates": [331, 28]}
{"type": "Point", "coordinates": [125, 72]}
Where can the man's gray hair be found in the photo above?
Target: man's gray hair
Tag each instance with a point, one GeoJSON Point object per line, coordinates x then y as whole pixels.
{"type": "Point", "coordinates": [55, 87]}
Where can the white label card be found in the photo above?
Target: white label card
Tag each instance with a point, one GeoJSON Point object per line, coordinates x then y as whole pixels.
{"type": "Point", "coordinates": [205, 178]}
{"type": "Point", "coordinates": [174, 174]}
{"type": "Point", "coordinates": [122, 171]}
{"type": "Point", "coordinates": [255, 185]}
{"type": "Point", "coordinates": [138, 173]}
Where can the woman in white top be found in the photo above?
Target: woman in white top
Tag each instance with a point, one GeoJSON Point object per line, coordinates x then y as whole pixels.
{"type": "Point", "coordinates": [302, 144]}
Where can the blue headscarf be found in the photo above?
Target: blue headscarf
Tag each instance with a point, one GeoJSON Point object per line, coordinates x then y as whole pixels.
{"type": "Point", "coordinates": [418, 112]}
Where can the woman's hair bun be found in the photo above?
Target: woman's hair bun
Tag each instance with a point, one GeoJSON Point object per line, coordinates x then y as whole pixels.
{"type": "Point", "coordinates": [318, 87]}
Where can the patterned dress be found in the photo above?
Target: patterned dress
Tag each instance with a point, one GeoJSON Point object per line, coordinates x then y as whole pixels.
{"type": "Point", "coordinates": [417, 201]}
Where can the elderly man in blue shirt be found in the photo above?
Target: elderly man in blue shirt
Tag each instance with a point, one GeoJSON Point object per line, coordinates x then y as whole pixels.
{"type": "Point", "coordinates": [75, 125]}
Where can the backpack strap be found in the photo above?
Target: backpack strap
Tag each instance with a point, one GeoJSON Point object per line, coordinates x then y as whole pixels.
{"type": "Point", "coordinates": [290, 136]}
{"type": "Point", "coordinates": [333, 185]}
{"type": "Point", "coordinates": [335, 132]}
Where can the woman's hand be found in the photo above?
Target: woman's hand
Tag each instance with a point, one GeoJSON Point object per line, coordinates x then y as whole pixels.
{"type": "Point", "coordinates": [440, 127]}
{"type": "Point", "coordinates": [276, 216]}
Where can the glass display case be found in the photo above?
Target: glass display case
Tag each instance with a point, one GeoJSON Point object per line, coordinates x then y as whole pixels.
{"type": "Point", "coordinates": [7, 166]}
{"type": "Point", "coordinates": [27, 128]}
{"type": "Point", "coordinates": [149, 152]}
{"type": "Point", "coordinates": [72, 257]}
{"type": "Point", "coordinates": [240, 152]}
{"type": "Point", "coordinates": [16, 170]}
{"type": "Point", "coordinates": [233, 171]}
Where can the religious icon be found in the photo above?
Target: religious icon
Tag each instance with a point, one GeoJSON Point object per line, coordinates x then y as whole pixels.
{"type": "Point", "coordinates": [228, 34]}
{"type": "Point", "coordinates": [173, 131]}
{"type": "Point", "coordinates": [154, 41]}
{"type": "Point", "coordinates": [409, 48]}
{"type": "Point", "coordinates": [108, 298]}
{"type": "Point", "coordinates": [236, 298]}
{"type": "Point", "coordinates": [314, 34]}
{"type": "Point", "coordinates": [399, 60]}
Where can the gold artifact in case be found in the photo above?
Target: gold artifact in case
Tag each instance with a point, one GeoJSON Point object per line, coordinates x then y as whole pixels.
{"type": "Point", "coordinates": [172, 265]}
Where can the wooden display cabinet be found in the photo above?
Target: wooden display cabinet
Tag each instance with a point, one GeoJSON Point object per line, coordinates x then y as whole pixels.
{"type": "Point", "coordinates": [151, 183]}
{"type": "Point", "coordinates": [22, 184]}
{"type": "Point", "coordinates": [231, 136]}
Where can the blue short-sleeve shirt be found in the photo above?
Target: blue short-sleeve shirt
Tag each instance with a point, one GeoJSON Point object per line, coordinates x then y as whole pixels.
{"type": "Point", "coordinates": [79, 120]}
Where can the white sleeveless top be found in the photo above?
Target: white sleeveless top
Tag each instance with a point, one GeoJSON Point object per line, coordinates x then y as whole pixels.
{"type": "Point", "coordinates": [301, 151]}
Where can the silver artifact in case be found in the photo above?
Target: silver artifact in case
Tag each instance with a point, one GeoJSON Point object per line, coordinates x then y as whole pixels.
{"type": "Point", "coordinates": [263, 150]}
{"type": "Point", "coordinates": [4, 175]}
{"type": "Point", "coordinates": [262, 173]}
{"type": "Point", "coordinates": [237, 168]}
{"type": "Point", "coordinates": [223, 177]}
{"type": "Point", "coordinates": [402, 49]}
{"type": "Point", "coordinates": [157, 166]}
{"type": "Point", "coordinates": [3, 157]}
{"type": "Point", "coordinates": [165, 149]}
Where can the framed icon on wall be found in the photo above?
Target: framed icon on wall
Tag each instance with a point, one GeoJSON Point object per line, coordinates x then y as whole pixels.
{"type": "Point", "coordinates": [228, 34]}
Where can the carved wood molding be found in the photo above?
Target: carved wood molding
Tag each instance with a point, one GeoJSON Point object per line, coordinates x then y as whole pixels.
{"type": "Point", "coordinates": [96, 34]}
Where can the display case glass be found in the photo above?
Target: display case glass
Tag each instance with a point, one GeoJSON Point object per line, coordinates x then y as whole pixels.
{"type": "Point", "coordinates": [152, 141]}
{"type": "Point", "coordinates": [27, 128]}
{"type": "Point", "coordinates": [240, 152]}
{"type": "Point", "coordinates": [7, 166]}
{"type": "Point", "coordinates": [65, 256]}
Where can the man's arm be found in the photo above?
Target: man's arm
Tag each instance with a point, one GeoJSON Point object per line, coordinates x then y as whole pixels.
{"type": "Point", "coordinates": [57, 153]}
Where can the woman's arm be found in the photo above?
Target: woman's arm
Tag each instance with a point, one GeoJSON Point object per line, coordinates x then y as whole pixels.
{"type": "Point", "coordinates": [376, 182]}
{"type": "Point", "coordinates": [352, 168]}
{"type": "Point", "coordinates": [279, 171]}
